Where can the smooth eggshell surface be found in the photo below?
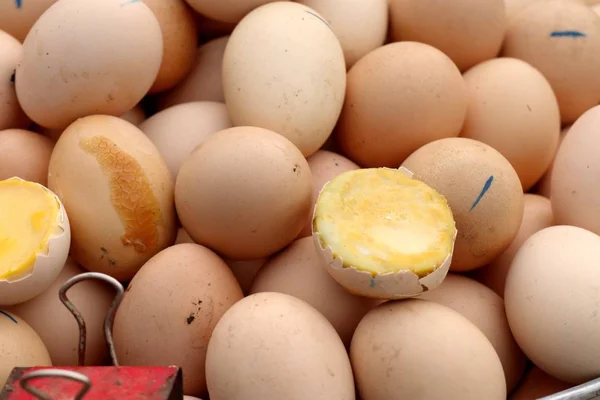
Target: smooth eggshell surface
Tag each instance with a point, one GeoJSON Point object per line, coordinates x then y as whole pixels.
{"type": "Point", "coordinates": [221, 206]}
{"type": "Point", "coordinates": [400, 97]}
{"type": "Point", "coordinates": [17, 17]}
{"type": "Point", "coordinates": [11, 114]}
{"type": "Point", "coordinates": [25, 154]}
{"type": "Point", "coordinates": [168, 318]}
{"type": "Point", "coordinates": [279, 339]}
{"type": "Point", "coordinates": [483, 191]}
{"type": "Point", "coordinates": [537, 384]}
{"type": "Point", "coordinates": [294, 83]}
{"type": "Point", "coordinates": [394, 358]}
{"type": "Point", "coordinates": [100, 58]}
{"type": "Point", "coordinates": [226, 10]}
{"type": "Point", "coordinates": [544, 184]}
{"type": "Point", "coordinates": [552, 300]}
{"type": "Point", "coordinates": [118, 193]}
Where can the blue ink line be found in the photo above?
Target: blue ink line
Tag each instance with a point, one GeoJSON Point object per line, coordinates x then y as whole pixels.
{"type": "Point", "coordinates": [129, 2]}
{"type": "Point", "coordinates": [9, 316]}
{"type": "Point", "coordinates": [19, 3]}
{"type": "Point", "coordinates": [567, 34]}
{"type": "Point", "coordinates": [486, 187]}
{"type": "Point", "coordinates": [372, 283]}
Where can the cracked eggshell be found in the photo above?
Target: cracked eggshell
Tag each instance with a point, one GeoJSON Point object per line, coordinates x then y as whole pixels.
{"type": "Point", "coordinates": [47, 266]}
{"type": "Point", "coordinates": [388, 286]}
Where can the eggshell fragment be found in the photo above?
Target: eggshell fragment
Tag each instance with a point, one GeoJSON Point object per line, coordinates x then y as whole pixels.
{"type": "Point", "coordinates": [168, 318]}
{"type": "Point", "coordinates": [228, 10]}
{"type": "Point", "coordinates": [79, 61]}
{"type": "Point", "coordinates": [561, 38]}
{"type": "Point", "coordinates": [551, 294]}
{"type": "Point", "coordinates": [24, 154]}
{"type": "Point", "coordinates": [294, 84]}
{"type": "Point", "coordinates": [401, 346]}
{"type": "Point", "coordinates": [279, 339]}
{"type": "Point", "coordinates": [400, 97]}
{"type": "Point", "coordinates": [21, 346]}
{"type": "Point", "coordinates": [483, 191]}
{"type": "Point", "coordinates": [537, 384]}
{"type": "Point", "coordinates": [17, 17]}
{"type": "Point", "coordinates": [118, 192]}
{"type": "Point", "coordinates": [11, 114]}
{"type": "Point", "coordinates": [298, 271]}
{"type": "Point", "coordinates": [56, 325]}
{"type": "Point", "coordinates": [220, 204]}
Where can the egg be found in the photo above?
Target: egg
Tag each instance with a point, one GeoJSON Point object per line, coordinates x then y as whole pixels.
{"type": "Point", "coordinates": [11, 114]}
{"type": "Point", "coordinates": [226, 11]}
{"type": "Point", "coordinates": [529, 138]}
{"type": "Point", "coordinates": [100, 58]}
{"type": "Point", "coordinates": [293, 84]}
{"type": "Point", "coordinates": [451, 26]}
{"type": "Point", "coordinates": [56, 325]}
{"type": "Point", "coordinates": [324, 166]}
{"type": "Point", "coordinates": [543, 185]}
{"type": "Point", "coordinates": [136, 115]}
{"type": "Point", "coordinates": [177, 130]}
{"type": "Point", "coordinates": [24, 154]}
{"type": "Point", "coordinates": [18, 16]}
{"type": "Point", "coordinates": [513, 7]}
{"type": "Point", "coordinates": [360, 25]}
{"type": "Point", "coordinates": [485, 309]}
{"type": "Point", "coordinates": [167, 318]}
{"type": "Point", "coordinates": [537, 215]}
{"type": "Point", "coordinates": [551, 294]}
{"type": "Point", "coordinates": [118, 192]}
{"type": "Point", "coordinates": [34, 235]}
{"type": "Point", "coordinates": [274, 346]}
{"type": "Point", "coordinates": [222, 206]}
{"type": "Point", "coordinates": [400, 97]}
{"type": "Point", "coordinates": [417, 349]}
{"type": "Point", "coordinates": [21, 346]}
{"type": "Point", "coordinates": [537, 384]}
{"type": "Point", "coordinates": [483, 191]}
{"type": "Point", "coordinates": [560, 38]}
{"type": "Point", "coordinates": [180, 39]}
{"type": "Point", "coordinates": [298, 271]}
{"type": "Point", "coordinates": [203, 83]}
{"type": "Point", "coordinates": [574, 193]}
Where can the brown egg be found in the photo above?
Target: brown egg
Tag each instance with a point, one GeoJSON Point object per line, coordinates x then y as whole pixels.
{"type": "Point", "coordinates": [537, 215]}
{"type": "Point", "coordinates": [537, 384]}
{"type": "Point", "coordinates": [543, 186]}
{"type": "Point", "coordinates": [226, 11]}
{"type": "Point", "coordinates": [136, 115]}
{"type": "Point", "coordinates": [574, 190]}
{"type": "Point", "coordinates": [552, 300]}
{"type": "Point", "coordinates": [360, 25]}
{"type": "Point", "coordinates": [180, 39]}
{"type": "Point", "coordinates": [177, 130]}
{"type": "Point", "coordinates": [170, 309]}
{"type": "Point", "coordinates": [400, 97]}
{"type": "Point", "coordinates": [298, 271]}
{"type": "Point", "coordinates": [21, 346]}
{"type": "Point", "coordinates": [100, 58]}
{"type": "Point", "coordinates": [203, 83]}
{"type": "Point", "coordinates": [529, 138]}
{"type": "Point", "coordinates": [56, 325]}
{"type": "Point", "coordinates": [324, 166]}
{"type": "Point", "coordinates": [17, 17]}
{"type": "Point", "coordinates": [272, 346]}
{"type": "Point", "coordinates": [561, 38]}
{"type": "Point", "coordinates": [245, 192]}
{"type": "Point", "coordinates": [293, 84]}
{"type": "Point", "coordinates": [468, 31]}
{"type": "Point", "coordinates": [118, 193]}
{"type": "Point", "coordinates": [417, 349]}
{"type": "Point", "coordinates": [485, 309]}
{"type": "Point", "coordinates": [11, 114]}
{"type": "Point", "coordinates": [24, 154]}
{"type": "Point", "coordinates": [483, 191]}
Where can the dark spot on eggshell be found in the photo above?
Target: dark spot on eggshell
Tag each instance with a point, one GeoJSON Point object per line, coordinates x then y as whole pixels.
{"type": "Point", "coordinates": [190, 319]}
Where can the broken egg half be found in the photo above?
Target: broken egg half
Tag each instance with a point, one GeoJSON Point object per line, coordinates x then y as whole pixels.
{"type": "Point", "coordinates": [35, 237]}
{"type": "Point", "coordinates": [382, 234]}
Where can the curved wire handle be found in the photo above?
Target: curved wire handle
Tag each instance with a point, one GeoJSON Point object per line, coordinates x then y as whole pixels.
{"type": "Point", "coordinates": [110, 316]}
{"type": "Point", "coordinates": [55, 373]}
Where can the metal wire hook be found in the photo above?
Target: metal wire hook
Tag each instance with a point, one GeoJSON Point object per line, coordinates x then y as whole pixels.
{"type": "Point", "coordinates": [55, 373]}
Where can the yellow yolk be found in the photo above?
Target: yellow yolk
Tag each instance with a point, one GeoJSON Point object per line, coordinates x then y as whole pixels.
{"type": "Point", "coordinates": [379, 220]}
{"type": "Point", "coordinates": [28, 217]}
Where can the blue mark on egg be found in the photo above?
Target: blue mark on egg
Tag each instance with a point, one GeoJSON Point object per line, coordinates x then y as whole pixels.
{"type": "Point", "coordinates": [372, 283]}
{"type": "Point", "coordinates": [567, 34]}
{"type": "Point", "coordinates": [129, 2]}
{"type": "Point", "coordinates": [19, 3]}
{"type": "Point", "coordinates": [8, 316]}
{"type": "Point", "coordinates": [486, 187]}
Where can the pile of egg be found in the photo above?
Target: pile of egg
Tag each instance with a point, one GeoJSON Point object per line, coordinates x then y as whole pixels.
{"type": "Point", "coordinates": [201, 151]}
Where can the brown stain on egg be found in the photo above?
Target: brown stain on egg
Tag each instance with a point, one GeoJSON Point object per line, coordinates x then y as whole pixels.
{"type": "Point", "coordinates": [130, 193]}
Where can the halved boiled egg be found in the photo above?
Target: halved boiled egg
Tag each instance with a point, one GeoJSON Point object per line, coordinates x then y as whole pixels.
{"type": "Point", "coordinates": [35, 237]}
{"type": "Point", "coordinates": [383, 234]}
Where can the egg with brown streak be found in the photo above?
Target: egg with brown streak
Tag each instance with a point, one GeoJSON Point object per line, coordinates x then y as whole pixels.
{"type": "Point", "coordinates": [118, 193]}
{"type": "Point", "coordinates": [11, 114]}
